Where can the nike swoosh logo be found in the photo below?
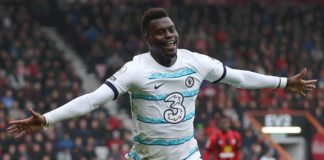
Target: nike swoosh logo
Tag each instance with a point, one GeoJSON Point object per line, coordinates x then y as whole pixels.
{"type": "Point", "coordinates": [158, 86]}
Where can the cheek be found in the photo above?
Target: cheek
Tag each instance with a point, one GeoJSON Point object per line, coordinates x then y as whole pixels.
{"type": "Point", "coordinates": [158, 38]}
{"type": "Point", "coordinates": [157, 41]}
{"type": "Point", "coordinates": [177, 36]}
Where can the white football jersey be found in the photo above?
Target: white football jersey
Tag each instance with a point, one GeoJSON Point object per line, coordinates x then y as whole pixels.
{"type": "Point", "coordinates": [163, 102]}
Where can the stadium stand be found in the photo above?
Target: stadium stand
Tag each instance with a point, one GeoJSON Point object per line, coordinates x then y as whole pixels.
{"type": "Point", "coordinates": [270, 37]}
{"type": "Point", "coordinates": [35, 74]}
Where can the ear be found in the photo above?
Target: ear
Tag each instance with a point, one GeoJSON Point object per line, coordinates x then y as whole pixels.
{"type": "Point", "coordinates": [146, 38]}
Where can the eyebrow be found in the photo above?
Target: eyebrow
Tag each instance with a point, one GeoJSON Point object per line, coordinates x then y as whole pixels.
{"type": "Point", "coordinates": [167, 27]}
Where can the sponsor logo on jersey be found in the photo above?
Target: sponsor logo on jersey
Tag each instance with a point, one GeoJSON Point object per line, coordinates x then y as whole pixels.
{"type": "Point", "coordinates": [158, 86]}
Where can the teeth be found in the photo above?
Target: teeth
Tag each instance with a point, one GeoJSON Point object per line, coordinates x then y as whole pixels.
{"type": "Point", "coordinates": [171, 43]}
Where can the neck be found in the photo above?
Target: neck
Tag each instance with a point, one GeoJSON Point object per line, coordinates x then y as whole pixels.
{"type": "Point", "coordinates": [164, 60]}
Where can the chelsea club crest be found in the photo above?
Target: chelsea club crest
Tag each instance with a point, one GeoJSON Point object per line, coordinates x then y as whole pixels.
{"type": "Point", "coordinates": [189, 82]}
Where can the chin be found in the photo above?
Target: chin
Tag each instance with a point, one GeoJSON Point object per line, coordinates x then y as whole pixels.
{"type": "Point", "coordinates": [171, 53]}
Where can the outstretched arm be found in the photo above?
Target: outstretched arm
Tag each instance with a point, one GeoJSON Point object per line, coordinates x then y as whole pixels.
{"type": "Point", "coordinates": [77, 107]}
{"type": "Point", "coordinates": [114, 86]}
{"type": "Point", "coordinates": [251, 80]}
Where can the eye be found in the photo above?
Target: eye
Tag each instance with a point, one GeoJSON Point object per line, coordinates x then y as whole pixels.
{"type": "Point", "coordinates": [160, 32]}
{"type": "Point", "coordinates": [172, 29]}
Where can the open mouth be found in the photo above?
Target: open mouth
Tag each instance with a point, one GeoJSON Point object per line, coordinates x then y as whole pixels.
{"type": "Point", "coordinates": [170, 45]}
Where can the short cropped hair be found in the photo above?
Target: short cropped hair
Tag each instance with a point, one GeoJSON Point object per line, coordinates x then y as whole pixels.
{"type": "Point", "coordinates": [151, 14]}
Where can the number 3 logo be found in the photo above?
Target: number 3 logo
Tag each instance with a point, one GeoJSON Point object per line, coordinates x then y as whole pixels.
{"type": "Point", "coordinates": [177, 111]}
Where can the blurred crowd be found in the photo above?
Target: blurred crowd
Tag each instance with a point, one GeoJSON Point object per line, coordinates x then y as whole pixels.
{"type": "Point", "coordinates": [34, 74]}
{"type": "Point", "coordinates": [269, 37]}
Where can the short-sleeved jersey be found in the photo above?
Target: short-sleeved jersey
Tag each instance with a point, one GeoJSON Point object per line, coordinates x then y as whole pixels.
{"type": "Point", "coordinates": [163, 101]}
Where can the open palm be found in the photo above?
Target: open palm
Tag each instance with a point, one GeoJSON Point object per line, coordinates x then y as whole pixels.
{"type": "Point", "coordinates": [296, 84]}
{"type": "Point", "coordinates": [32, 124]}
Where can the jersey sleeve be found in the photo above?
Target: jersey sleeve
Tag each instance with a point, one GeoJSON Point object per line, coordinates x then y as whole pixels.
{"type": "Point", "coordinates": [121, 81]}
{"type": "Point", "coordinates": [212, 69]}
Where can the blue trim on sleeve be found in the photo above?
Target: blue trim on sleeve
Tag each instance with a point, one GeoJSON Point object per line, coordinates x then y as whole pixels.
{"type": "Point", "coordinates": [113, 88]}
{"type": "Point", "coordinates": [223, 75]}
{"type": "Point", "coordinates": [133, 155]}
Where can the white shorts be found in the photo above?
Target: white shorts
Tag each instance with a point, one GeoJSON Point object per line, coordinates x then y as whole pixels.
{"type": "Point", "coordinates": [186, 151]}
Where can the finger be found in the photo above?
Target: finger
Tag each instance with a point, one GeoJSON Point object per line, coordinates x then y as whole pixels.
{"type": "Point", "coordinates": [11, 130]}
{"type": "Point", "coordinates": [14, 131]}
{"type": "Point", "coordinates": [33, 113]}
{"type": "Point", "coordinates": [18, 122]}
{"type": "Point", "coordinates": [302, 73]}
{"type": "Point", "coordinates": [310, 86]}
{"type": "Point", "coordinates": [12, 127]}
{"type": "Point", "coordinates": [302, 93]}
{"type": "Point", "coordinates": [308, 89]}
{"type": "Point", "coordinates": [20, 134]}
{"type": "Point", "coordinates": [313, 81]}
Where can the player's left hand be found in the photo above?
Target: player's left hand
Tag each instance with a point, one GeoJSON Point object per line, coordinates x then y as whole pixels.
{"type": "Point", "coordinates": [296, 84]}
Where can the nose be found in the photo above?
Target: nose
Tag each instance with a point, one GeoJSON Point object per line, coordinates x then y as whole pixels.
{"type": "Point", "coordinates": [168, 34]}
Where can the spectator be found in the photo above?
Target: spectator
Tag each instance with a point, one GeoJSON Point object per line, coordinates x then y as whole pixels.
{"type": "Point", "coordinates": [64, 155]}
{"type": "Point", "coordinates": [225, 144]}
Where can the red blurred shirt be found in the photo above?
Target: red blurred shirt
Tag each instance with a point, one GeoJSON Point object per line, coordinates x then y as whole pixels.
{"type": "Point", "coordinates": [224, 146]}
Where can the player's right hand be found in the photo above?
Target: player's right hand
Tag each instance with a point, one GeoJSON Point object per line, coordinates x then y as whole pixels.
{"type": "Point", "coordinates": [32, 124]}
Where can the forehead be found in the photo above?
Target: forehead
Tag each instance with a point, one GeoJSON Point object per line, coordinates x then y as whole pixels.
{"type": "Point", "coordinates": [160, 23]}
